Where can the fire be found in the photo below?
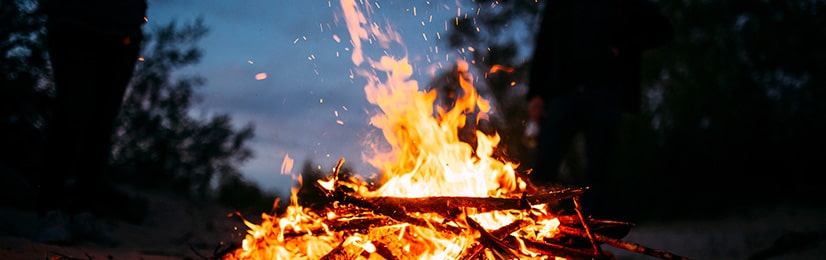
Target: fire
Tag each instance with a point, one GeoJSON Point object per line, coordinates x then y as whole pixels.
{"type": "Point", "coordinates": [422, 156]}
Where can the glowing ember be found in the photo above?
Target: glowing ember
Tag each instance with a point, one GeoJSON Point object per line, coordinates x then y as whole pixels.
{"type": "Point", "coordinates": [261, 76]}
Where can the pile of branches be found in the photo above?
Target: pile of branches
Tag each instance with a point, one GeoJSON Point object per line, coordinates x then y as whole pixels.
{"type": "Point", "coordinates": [579, 237]}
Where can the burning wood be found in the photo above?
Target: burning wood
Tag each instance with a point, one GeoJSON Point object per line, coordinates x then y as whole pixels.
{"type": "Point", "coordinates": [375, 228]}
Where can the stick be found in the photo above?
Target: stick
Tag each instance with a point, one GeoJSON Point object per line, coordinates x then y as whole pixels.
{"type": "Point", "coordinates": [578, 208]}
{"type": "Point", "coordinates": [551, 249]}
{"type": "Point", "coordinates": [500, 233]}
{"type": "Point", "coordinates": [500, 248]}
{"type": "Point", "coordinates": [633, 247]}
{"type": "Point", "coordinates": [339, 253]}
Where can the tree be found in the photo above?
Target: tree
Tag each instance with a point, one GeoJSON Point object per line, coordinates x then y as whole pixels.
{"type": "Point", "coordinates": [25, 91]}
{"type": "Point", "coordinates": [158, 141]}
{"type": "Point", "coordinates": [736, 100]}
{"type": "Point", "coordinates": [500, 39]}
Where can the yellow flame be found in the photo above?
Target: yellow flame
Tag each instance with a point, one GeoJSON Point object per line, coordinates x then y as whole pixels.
{"type": "Point", "coordinates": [421, 155]}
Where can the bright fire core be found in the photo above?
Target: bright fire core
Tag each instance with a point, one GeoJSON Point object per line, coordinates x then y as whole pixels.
{"type": "Point", "coordinates": [421, 156]}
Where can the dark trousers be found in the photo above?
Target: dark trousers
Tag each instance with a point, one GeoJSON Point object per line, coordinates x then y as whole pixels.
{"type": "Point", "coordinates": [593, 111]}
{"type": "Point", "coordinates": [91, 73]}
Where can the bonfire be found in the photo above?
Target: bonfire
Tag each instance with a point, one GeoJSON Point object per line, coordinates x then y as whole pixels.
{"type": "Point", "coordinates": [440, 197]}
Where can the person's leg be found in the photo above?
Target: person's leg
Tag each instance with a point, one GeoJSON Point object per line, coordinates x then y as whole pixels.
{"type": "Point", "coordinates": [58, 176]}
{"type": "Point", "coordinates": [556, 133]}
{"type": "Point", "coordinates": [601, 135]}
{"type": "Point", "coordinates": [91, 73]}
{"type": "Point", "coordinates": [64, 150]}
{"type": "Point", "coordinates": [113, 67]}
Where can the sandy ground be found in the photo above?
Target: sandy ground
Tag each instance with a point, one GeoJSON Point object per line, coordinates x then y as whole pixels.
{"type": "Point", "coordinates": [174, 229]}
{"type": "Point", "coordinates": [180, 229]}
{"type": "Point", "coordinates": [783, 231]}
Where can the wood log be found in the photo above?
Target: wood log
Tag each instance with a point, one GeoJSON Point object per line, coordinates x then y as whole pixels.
{"type": "Point", "coordinates": [398, 214]}
{"type": "Point", "coordinates": [383, 251]}
{"type": "Point", "coordinates": [445, 205]}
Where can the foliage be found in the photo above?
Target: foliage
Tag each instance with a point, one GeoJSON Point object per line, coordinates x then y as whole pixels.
{"type": "Point", "coordinates": [735, 102]}
{"type": "Point", "coordinates": [242, 195]}
{"type": "Point", "coordinates": [158, 141]}
{"type": "Point", "coordinates": [737, 98]}
{"type": "Point", "coordinates": [501, 35]}
{"type": "Point", "coordinates": [24, 92]}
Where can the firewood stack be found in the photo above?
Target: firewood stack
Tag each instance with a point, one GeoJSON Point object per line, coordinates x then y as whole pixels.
{"type": "Point", "coordinates": [579, 237]}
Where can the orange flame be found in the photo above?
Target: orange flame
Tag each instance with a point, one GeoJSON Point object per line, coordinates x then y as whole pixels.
{"type": "Point", "coordinates": [421, 155]}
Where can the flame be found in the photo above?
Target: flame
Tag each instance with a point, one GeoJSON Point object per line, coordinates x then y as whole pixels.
{"type": "Point", "coordinates": [287, 164]}
{"type": "Point", "coordinates": [421, 155]}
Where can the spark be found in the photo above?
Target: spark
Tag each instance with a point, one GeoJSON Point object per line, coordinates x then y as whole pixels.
{"type": "Point", "coordinates": [261, 76]}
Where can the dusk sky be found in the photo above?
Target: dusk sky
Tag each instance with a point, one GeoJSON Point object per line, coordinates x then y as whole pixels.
{"type": "Point", "coordinates": [310, 106]}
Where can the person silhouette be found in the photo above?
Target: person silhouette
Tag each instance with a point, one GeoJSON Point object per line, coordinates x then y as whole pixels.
{"type": "Point", "coordinates": [93, 46]}
{"type": "Point", "coordinates": [586, 72]}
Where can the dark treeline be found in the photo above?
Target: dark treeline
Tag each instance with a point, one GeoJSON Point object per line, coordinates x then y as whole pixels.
{"type": "Point", "coordinates": [733, 109]}
{"type": "Point", "coordinates": [158, 143]}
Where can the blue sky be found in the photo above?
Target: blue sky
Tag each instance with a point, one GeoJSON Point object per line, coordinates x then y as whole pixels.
{"type": "Point", "coordinates": [309, 107]}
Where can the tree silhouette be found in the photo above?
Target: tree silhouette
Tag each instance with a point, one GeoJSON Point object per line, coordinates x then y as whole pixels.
{"type": "Point", "coordinates": [158, 141]}
{"type": "Point", "coordinates": [735, 102]}
{"type": "Point", "coordinates": [501, 38]}
{"type": "Point", "coordinates": [25, 91]}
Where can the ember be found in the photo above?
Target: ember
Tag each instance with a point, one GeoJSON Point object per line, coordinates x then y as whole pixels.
{"type": "Point", "coordinates": [440, 198]}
